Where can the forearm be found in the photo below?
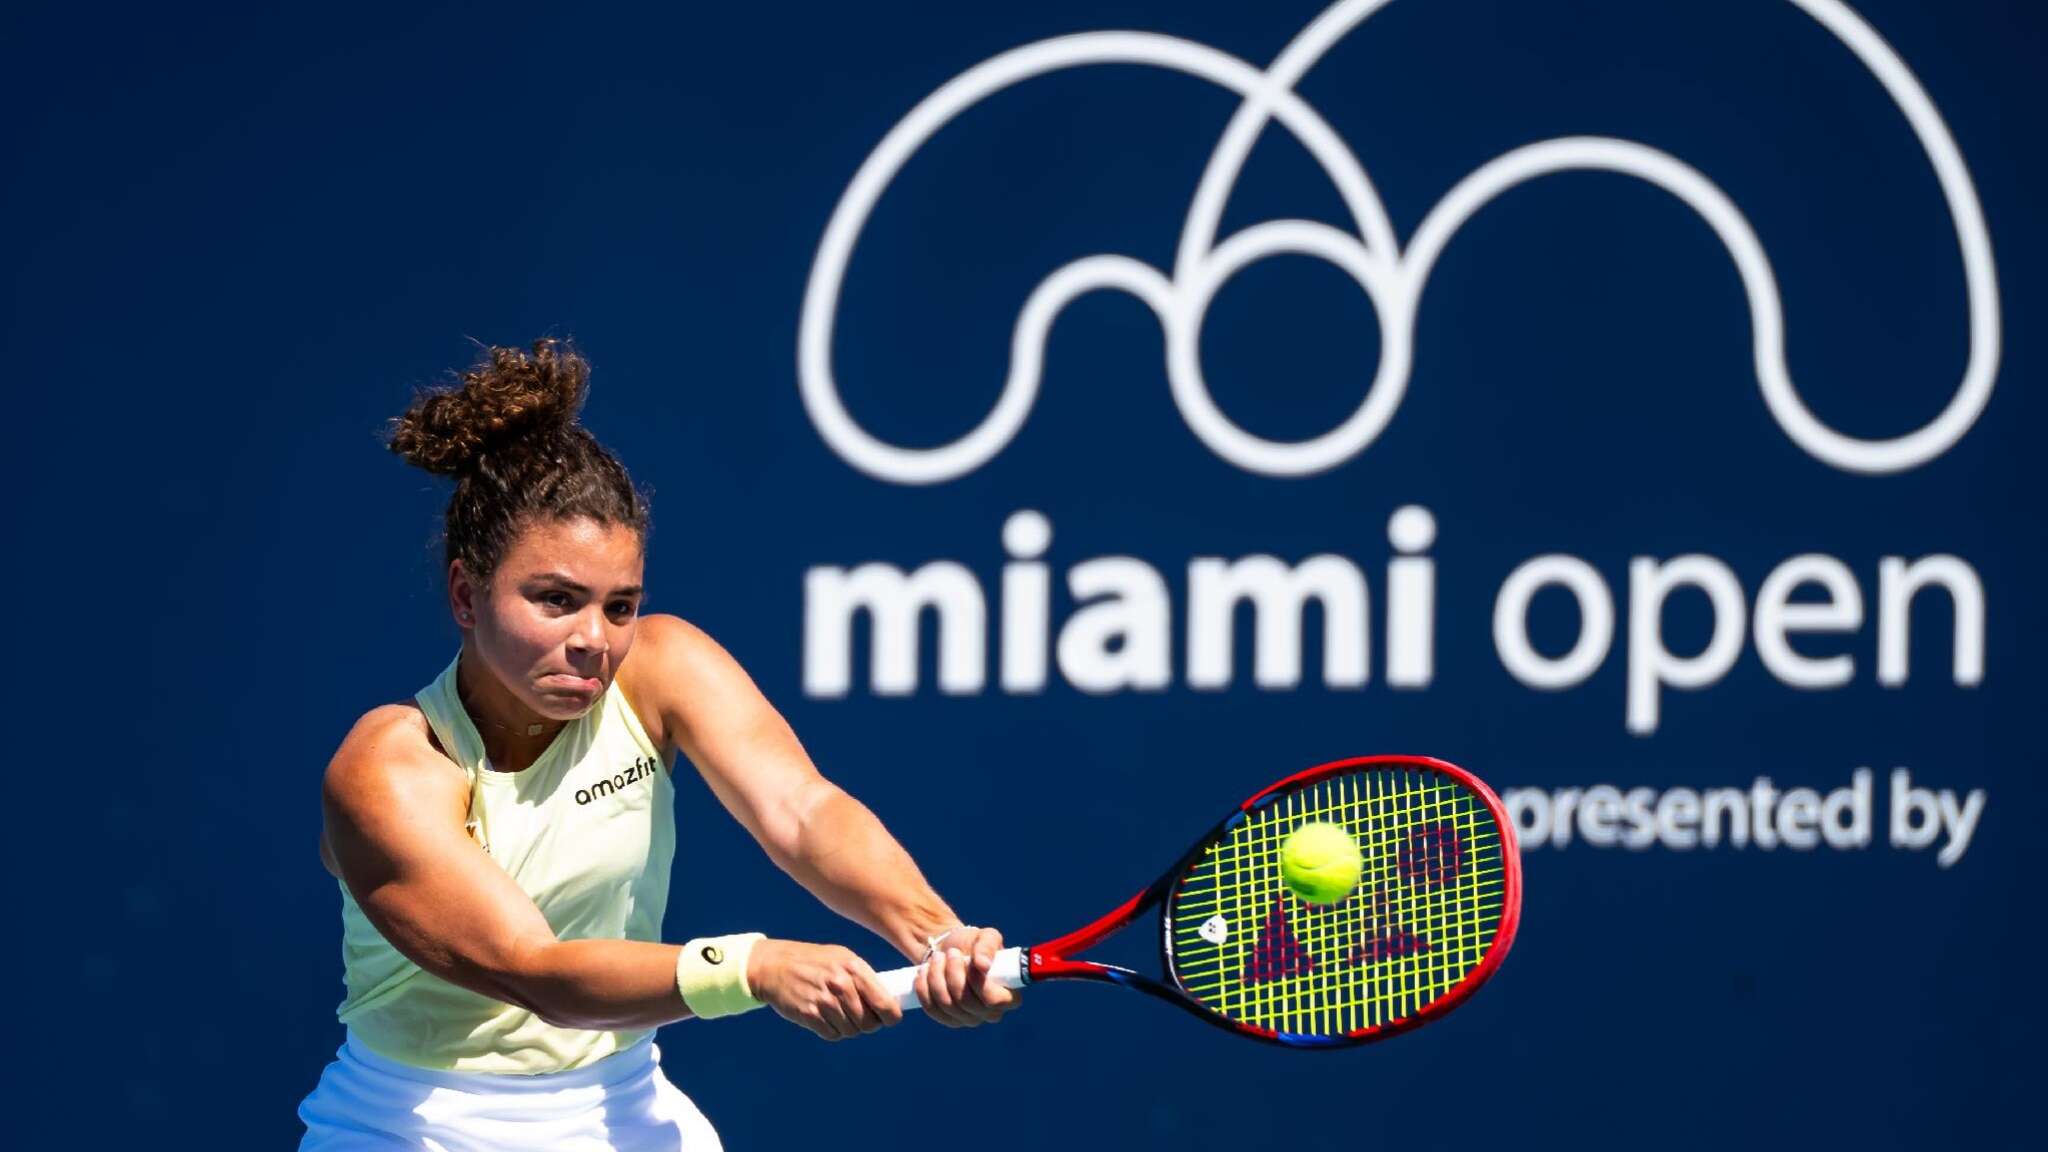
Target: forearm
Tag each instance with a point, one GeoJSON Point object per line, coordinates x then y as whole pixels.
{"type": "Point", "coordinates": [600, 984]}
{"type": "Point", "coordinates": [843, 856]}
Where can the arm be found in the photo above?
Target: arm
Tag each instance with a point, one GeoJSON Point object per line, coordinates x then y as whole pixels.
{"type": "Point", "coordinates": [393, 833]}
{"type": "Point", "coordinates": [813, 830]}
{"type": "Point", "coordinates": [393, 827]}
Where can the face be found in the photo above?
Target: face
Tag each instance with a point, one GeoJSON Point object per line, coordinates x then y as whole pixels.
{"type": "Point", "coordinates": [558, 615]}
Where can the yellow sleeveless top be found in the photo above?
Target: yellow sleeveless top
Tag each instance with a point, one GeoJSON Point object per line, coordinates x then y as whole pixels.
{"type": "Point", "coordinates": [588, 831]}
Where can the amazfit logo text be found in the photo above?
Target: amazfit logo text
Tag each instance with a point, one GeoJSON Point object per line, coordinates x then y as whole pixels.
{"type": "Point", "coordinates": [642, 769]}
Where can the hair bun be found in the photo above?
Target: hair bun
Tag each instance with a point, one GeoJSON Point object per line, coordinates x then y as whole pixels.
{"type": "Point", "coordinates": [509, 395]}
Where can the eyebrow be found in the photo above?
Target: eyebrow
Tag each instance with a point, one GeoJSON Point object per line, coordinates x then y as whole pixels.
{"type": "Point", "coordinates": [571, 585]}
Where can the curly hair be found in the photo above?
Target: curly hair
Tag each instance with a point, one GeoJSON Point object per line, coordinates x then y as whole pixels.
{"type": "Point", "coordinates": [507, 432]}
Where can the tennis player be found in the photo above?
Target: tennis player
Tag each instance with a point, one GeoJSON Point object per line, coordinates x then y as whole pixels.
{"type": "Point", "coordinates": [503, 839]}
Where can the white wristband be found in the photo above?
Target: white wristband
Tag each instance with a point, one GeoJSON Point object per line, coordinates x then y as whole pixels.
{"type": "Point", "coordinates": [711, 973]}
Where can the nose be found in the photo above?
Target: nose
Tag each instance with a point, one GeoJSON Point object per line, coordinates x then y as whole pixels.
{"type": "Point", "coordinates": [589, 633]}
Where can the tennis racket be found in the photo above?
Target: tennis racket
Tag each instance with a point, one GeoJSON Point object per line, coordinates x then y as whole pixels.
{"type": "Point", "coordinates": [1432, 917]}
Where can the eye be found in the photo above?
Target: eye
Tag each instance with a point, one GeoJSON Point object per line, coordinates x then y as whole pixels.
{"type": "Point", "coordinates": [553, 597]}
{"type": "Point", "coordinates": [623, 608]}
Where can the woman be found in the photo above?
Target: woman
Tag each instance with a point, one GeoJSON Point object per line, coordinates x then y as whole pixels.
{"type": "Point", "coordinates": [503, 839]}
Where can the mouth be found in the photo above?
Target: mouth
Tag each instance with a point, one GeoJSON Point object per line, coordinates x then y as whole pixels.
{"type": "Point", "coordinates": [577, 683]}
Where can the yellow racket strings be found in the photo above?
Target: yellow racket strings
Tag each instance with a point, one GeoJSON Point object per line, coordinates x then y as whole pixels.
{"type": "Point", "coordinates": [1425, 911]}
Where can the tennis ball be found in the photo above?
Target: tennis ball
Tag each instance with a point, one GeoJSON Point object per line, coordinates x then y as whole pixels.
{"type": "Point", "coordinates": [1320, 862]}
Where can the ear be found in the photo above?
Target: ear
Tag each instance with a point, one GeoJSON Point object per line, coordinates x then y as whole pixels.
{"type": "Point", "coordinates": [464, 596]}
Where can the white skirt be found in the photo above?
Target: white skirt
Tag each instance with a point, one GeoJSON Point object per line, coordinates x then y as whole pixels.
{"type": "Point", "coordinates": [622, 1103]}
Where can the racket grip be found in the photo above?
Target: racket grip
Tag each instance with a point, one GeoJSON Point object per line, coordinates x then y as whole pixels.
{"type": "Point", "coordinates": [900, 982]}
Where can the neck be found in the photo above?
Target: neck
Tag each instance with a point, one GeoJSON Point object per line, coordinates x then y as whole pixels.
{"type": "Point", "coordinates": [514, 735]}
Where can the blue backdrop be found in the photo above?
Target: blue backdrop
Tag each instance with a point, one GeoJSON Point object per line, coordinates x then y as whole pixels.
{"type": "Point", "coordinates": [240, 238]}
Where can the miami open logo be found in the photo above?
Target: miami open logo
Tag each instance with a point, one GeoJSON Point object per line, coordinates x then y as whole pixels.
{"type": "Point", "coordinates": [1392, 275]}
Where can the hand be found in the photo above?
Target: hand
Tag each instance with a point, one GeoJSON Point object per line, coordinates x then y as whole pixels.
{"type": "Point", "coordinates": [822, 987]}
{"type": "Point", "coordinates": [955, 987]}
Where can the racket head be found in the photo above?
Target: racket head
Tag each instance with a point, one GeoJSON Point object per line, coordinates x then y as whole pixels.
{"type": "Point", "coordinates": [1431, 919]}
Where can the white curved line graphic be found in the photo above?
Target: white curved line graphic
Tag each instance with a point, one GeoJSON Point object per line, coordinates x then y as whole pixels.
{"type": "Point", "coordinates": [1392, 278]}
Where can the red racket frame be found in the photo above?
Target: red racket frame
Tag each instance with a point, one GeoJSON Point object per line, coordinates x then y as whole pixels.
{"type": "Point", "coordinates": [1053, 960]}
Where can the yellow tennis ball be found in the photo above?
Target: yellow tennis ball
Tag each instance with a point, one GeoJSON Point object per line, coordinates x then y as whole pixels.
{"type": "Point", "coordinates": [1320, 862]}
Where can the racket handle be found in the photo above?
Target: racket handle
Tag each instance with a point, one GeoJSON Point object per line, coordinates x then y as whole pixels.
{"type": "Point", "coordinates": [900, 982]}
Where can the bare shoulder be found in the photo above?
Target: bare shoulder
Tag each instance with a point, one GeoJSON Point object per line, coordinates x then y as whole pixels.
{"type": "Point", "coordinates": [669, 654]}
{"type": "Point", "coordinates": [676, 669]}
{"type": "Point", "coordinates": [390, 740]}
{"type": "Point", "coordinates": [386, 766]}
{"type": "Point", "coordinates": [665, 633]}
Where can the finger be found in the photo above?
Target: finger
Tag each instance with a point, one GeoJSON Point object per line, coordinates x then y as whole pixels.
{"type": "Point", "coordinates": [827, 1022]}
{"type": "Point", "coordinates": [956, 974]}
{"type": "Point", "coordinates": [847, 1018]}
{"type": "Point", "coordinates": [1001, 997]}
{"type": "Point", "coordinates": [880, 1004]}
{"type": "Point", "coordinates": [808, 1021]}
{"type": "Point", "coordinates": [979, 962]}
{"type": "Point", "coordinates": [863, 1004]}
{"type": "Point", "coordinates": [832, 1008]}
{"type": "Point", "coordinates": [922, 985]}
{"type": "Point", "coordinates": [821, 1022]}
{"type": "Point", "coordinates": [859, 1021]}
{"type": "Point", "coordinates": [956, 989]}
{"type": "Point", "coordinates": [996, 1000]}
{"type": "Point", "coordinates": [983, 992]}
{"type": "Point", "coordinates": [991, 997]}
{"type": "Point", "coordinates": [842, 983]}
{"type": "Point", "coordinates": [986, 946]}
{"type": "Point", "coordinates": [941, 1006]}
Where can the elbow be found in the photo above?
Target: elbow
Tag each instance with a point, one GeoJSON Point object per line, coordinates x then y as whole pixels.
{"type": "Point", "coordinates": [552, 1013]}
{"type": "Point", "coordinates": [579, 1018]}
{"type": "Point", "coordinates": [791, 838]}
{"type": "Point", "coordinates": [570, 1020]}
{"type": "Point", "coordinates": [557, 1013]}
{"type": "Point", "coordinates": [547, 979]}
{"type": "Point", "coordinates": [531, 979]}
